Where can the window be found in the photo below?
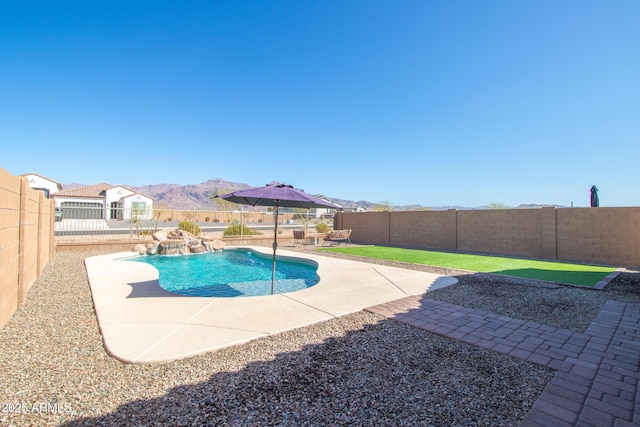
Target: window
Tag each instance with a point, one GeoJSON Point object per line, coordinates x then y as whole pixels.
{"type": "Point", "coordinates": [138, 209]}
{"type": "Point", "coordinates": [116, 210]}
{"type": "Point", "coordinates": [45, 190]}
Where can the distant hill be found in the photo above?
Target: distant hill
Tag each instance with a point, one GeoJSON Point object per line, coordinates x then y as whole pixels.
{"type": "Point", "coordinates": [199, 196]}
{"type": "Point", "coordinates": [190, 196]}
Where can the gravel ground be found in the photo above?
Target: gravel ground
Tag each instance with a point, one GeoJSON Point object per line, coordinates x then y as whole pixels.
{"type": "Point", "coordinates": [356, 370]}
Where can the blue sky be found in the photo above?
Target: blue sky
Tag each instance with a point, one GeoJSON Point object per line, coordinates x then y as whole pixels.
{"type": "Point", "coordinates": [409, 102]}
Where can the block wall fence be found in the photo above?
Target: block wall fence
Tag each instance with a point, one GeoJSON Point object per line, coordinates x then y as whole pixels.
{"type": "Point", "coordinates": [26, 240]}
{"type": "Point", "coordinates": [608, 236]}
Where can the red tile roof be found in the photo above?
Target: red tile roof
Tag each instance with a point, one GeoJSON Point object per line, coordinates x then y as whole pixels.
{"type": "Point", "coordinates": [92, 191]}
{"type": "Point", "coordinates": [96, 191]}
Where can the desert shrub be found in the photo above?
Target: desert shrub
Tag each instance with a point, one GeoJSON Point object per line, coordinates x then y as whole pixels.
{"type": "Point", "coordinates": [321, 227]}
{"type": "Point", "coordinates": [237, 230]}
{"type": "Point", "coordinates": [189, 227]}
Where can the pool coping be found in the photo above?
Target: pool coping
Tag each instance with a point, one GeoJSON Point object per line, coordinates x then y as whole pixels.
{"type": "Point", "coordinates": [142, 323]}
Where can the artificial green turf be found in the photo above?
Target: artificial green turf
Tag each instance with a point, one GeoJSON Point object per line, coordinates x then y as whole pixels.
{"type": "Point", "coordinates": [575, 274]}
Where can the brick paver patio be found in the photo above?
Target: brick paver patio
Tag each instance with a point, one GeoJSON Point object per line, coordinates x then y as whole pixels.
{"type": "Point", "coordinates": [597, 372]}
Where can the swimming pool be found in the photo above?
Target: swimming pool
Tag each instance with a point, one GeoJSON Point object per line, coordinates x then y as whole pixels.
{"type": "Point", "coordinates": [231, 273]}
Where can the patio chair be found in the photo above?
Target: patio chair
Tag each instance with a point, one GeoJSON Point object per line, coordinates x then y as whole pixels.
{"type": "Point", "coordinates": [297, 236]}
{"type": "Point", "coordinates": [337, 236]}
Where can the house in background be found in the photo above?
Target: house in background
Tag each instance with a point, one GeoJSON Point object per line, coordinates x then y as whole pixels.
{"type": "Point", "coordinates": [103, 201]}
{"type": "Point", "coordinates": [358, 208]}
{"type": "Point", "coordinates": [39, 182]}
{"type": "Point", "coordinates": [324, 212]}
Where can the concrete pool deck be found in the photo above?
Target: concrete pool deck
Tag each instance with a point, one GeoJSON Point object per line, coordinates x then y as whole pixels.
{"type": "Point", "coordinates": [142, 323]}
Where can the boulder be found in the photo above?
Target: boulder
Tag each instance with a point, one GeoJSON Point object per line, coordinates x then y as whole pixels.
{"type": "Point", "coordinates": [174, 242]}
{"type": "Point", "coordinates": [140, 248]}
{"type": "Point", "coordinates": [172, 247]}
{"type": "Point", "coordinates": [152, 247]}
{"type": "Point", "coordinates": [197, 249]}
{"type": "Point", "coordinates": [179, 234]}
{"type": "Point", "coordinates": [160, 235]}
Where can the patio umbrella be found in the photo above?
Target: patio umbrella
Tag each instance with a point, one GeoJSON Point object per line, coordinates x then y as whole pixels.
{"type": "Point", "coordinates": [277, 195]}
{"type": "Point", "coordinates": [595, 201]}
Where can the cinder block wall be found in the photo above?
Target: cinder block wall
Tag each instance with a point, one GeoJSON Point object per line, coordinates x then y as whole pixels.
{"type": "Point", "coordinates": [373, 227]}
{"type": "Point", "coordinates": [415, 229]}
{"type": "Point", "coordinates": [9, 244]}
{"type": "Point", "coordinates": [602, 235]}
{"type": "Point", "coordinates": [608, 236]}
{"type": "Point", "coordinates": [26, 240]}
{"type": "Point", "coordinates": [505, 231]}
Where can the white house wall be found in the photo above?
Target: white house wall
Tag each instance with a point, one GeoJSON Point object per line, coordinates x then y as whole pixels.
{"type": "Point", "coordinates": [116, 193]}
{"type": "Point", "coordinates": [138, 198]}
{"type": "Point", "coordinates": [36, 181]}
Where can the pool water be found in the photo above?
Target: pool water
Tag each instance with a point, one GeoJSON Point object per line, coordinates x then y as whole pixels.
{"type": "Point", "coordinates": [230, 273]}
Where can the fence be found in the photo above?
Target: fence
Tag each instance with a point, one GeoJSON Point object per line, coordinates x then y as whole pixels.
{"type": "Point", "coordinates": [88, 223]}
{"type": "Point", "coordinates": [26, 240]}
{"type": "Point", "coordinates": [609, 236]}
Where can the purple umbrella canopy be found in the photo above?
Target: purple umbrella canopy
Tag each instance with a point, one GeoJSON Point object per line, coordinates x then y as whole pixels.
{"type": "Point", "coordinates": [276, 194]}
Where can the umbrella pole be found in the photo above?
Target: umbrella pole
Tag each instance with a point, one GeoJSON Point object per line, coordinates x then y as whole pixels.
{"type": "Point", "coordinates": [275, 246]}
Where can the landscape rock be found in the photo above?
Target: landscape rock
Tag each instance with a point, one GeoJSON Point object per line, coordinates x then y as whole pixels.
{"type": "Point", "coordinates": [140, 248]}
{"type": "Point", "coordinates": [171, 247]}
{"type": "Point", "coordinates": [180, 242]}
{"type": "Point", "coordinates": [160, 235]}
{"type": "Point", "coordinates": [197, 249]}
{"type": "Point", "coordinates": [357, 369]}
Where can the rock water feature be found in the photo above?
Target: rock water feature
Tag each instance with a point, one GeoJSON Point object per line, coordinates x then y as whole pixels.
{"type": "Point", "coordinates": [177, 242]}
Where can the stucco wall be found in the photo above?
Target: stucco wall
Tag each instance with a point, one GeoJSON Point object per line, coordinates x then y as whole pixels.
{"type": "Point", "coordinates": [608, 236]}
{"type": "Point", "coordinates": [36, 181]}
{"type": "Point", "coordinates": [26, 240]}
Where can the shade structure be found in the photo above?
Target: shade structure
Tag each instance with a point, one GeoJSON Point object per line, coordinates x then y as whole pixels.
{"type": "Point", "coordinates": [595, 200]}
{"type": "Point", "coordinates": [277, 195]}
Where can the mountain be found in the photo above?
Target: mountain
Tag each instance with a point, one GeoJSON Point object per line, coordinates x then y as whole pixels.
{"type": "Point", "coordinates": [199, 196]}
{"type": "Point", "coordinates": [190, 196]}
{"type": "Point", "coordinates": [535, 205]}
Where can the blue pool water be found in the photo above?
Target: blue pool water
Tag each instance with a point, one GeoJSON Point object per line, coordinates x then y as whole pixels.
{"type": "Point", "coordinates": [230, 273]}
